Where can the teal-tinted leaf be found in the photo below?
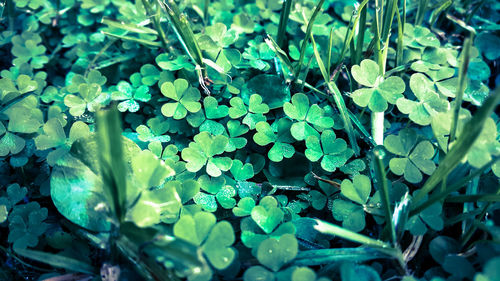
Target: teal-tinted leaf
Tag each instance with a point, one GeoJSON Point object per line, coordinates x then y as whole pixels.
{"type": "Point", "coordinates": [351, 215]}
{"type": "Point", "coordinates": [355, 272]}
{"type": "Point", "coordinates": [274, 253]}
{"type": "Point", "coordinates": [244, 208]}
{"type": "Point", "coordinates": [358, 190]}
{"type": "Point", "coordinates": [258, 273]}
{"type": "Point", "coordinates": [217, 246]}
{"type": "Point", "coordinates": [194, 229]}
{"type": "Point", "coordinates": [366, 73]}
{"type": "Point", "coordinates": [267, 215]}
{"type": "Point", "coordinates": [271, 88]}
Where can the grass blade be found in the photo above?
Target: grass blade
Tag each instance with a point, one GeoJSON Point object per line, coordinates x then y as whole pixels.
{"type": "Point", "coordinates": [284, 15]}
{"type": "Point", "coordinates": [328, 228]}
{"type": "Point", "coordinates": [337, 97]}
{"type": "Point", "coordinates": [112, 165]}
{"type": "Point", "coordinates": [462, 75]}
{"type": "Point", "coordinates": [441, 195]}
{"type": "Point", "coordinates": [306, 38]}
{"type": "Point", "coordinates": [326, 256]}
{"type": "Point", "coordinates": [128, 27]}
{"type": "Point", "coordinates": [378, 157]}
{"type": "Point", "coordinates": [463, 144]}
{"type": "Point", "coordinates": [56, 261]}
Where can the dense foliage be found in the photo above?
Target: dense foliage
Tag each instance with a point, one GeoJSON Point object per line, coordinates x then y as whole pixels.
{"type": "Point", "coordinates": [256, 140]}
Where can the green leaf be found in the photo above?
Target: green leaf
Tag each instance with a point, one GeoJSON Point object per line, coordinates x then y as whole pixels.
{"type": "Point", "coordinates": [186, 99]}
{"type": "Point", "coordinates": [358, 190]}
{"type": "Point", "coordinates": [355, 272]}
{"type": "Point", "coordinates": [271, 88]}
{"type": "Point", "coordinates": [217, 246]}
{"type": "Point", "coordinates": [334, 152]}
{"type": "Point", "coordinates": [267, 215]}
{"type": "Point", "coordinates": [351, 215]}
{"type": "Point", "coordinates": [57, 261]}
{"type": "Point", "coordinates": [274, 253]}
{"type": "Point", "coordinates": [366, 73]}
{"type": "Point", "coordinates": [213, 110]}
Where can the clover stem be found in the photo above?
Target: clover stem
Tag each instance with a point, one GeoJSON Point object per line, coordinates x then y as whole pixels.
{"type": "Point", "coordinates": [378, 127]}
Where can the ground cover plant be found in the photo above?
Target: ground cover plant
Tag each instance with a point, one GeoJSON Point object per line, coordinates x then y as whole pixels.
{"type": "Point", "coordinates": [249, 140]}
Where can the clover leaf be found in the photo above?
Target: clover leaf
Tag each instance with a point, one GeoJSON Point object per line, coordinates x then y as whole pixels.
{"type": "Point", "coordinates": [214, 238]}
{"type": "Point", "coordinates": [483, 148]}
{"type": "Point", "coordinates": [430, 217]}
{"type": "Point", "coordinates": [130, 94]}
{"type": "Point", "coordinates": [155, 133]}
{"type": "Point", "coordinates": [26, 48]}
{"type": "Point", "coordinates": [300, 110]}
{"type": "Point", "coordinates": [267, 214]}
{"type": "Point", "coordinates": [217, 191]}
{"type": "Point", "coordinates": [203, 151]}
{"type": "Point", "coordinates": [414, 159]}
{"type": "Point", "coordinates": [428, 104]}
{"type": "Point", "coordinates": [253, 113]}
{"type": "Point", "coordinates": [352, 214]}
{"type": "Point", "coordinates": [26, 225]}
{"type": "Point", "coordinates": [257, 54]}
{"type": "Point", "coordinates": [333, 152]}
{"type": "Point", "coordinates": [274, 253]}
{"type": "Point", "coordinates": [245, 207]}
{"type": "Point", "coordinates": [213, 110]}
{"type": "Point", "coordinates": [180, 62]}
{"type": "Point", "coordinates": [53, 136]}
{"type": "Point", "coordinates": [241, 171]}
{"type": "Point", "coordinates": [235, 131]}
{"type": "Point", "coordinates": [380, 90]}
{"type": "Point", "coordinates": [91, 97]}
{"type": "Point", "coordinates": [186, 99]}
{"type": "Point", "coordinates": [279, 135]}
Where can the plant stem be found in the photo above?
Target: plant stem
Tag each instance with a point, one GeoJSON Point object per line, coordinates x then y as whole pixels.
{"type": "Point", "coordinates": [378, 157]}
{"type": "Point", "coordinates": [464, 66]}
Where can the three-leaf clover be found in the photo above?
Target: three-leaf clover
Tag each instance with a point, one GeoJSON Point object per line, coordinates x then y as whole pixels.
{"type": "Point", "coordinates": [253, 113]}
{"type": "Point", "coordinates": [26, 48]}
{"type": "Point", "coordinates": [214, 238]}
{"type": "Point", "coordinates": [236, 131]}
{"type": "Point", "coordinates": [414, 159]}
{"type": "Point", "coordinates": [333, 152]}
{"type": "Point", "coordinates": [186, 99]}
{"type": "Point", "coordinates": [204, 151]}
{"type": "Point", "coordinates": [428, 104]}
{"type": "Point", "coordinates": [380, 90]}
{"type": "Point", "coordinates": [26, 225]}
{"type": "Point", "coordinates": [130, 94]}
{"type": "Point", "coordinates": [300, 110]}
{"type": "Point", "coordinates": [352, 213]}
{"type": "Point", "coordinates": [53, 136]}
{"type": "Point", "coordinates": [91, 96]}
{"type": "Point", "coordinates": [279, 135]}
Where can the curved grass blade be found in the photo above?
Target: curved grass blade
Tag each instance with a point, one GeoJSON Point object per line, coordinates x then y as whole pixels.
{"type": "Point", "coordinates": [111, 163]}
{"type": "Point", "coordinates": [328, 228]}
{"type": "Point", "coordinates": [463, 144]}
{"type": "Point", "coordinates": [306, 38]}
{"type": "Point", "coordinates": [284, 15]}
{"type": "Point", "coordinates": [337, 97]}
{"type": "Point", "coordinates": [325, 256]}
{"type": "Point", "coordinates": [57, 261]}
{"type": "Point", "coordinates": [378, 157]}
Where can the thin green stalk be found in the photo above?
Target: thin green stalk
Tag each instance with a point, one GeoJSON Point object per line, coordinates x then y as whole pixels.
{"type": "Point", "coordinates": [468, 235]}
{"type": "Point", "coordinates": [422, 9]}
{"type": "Point", "coordinates": [353, 23]}
{"type": "Point", "coordinates": [474, 198]}
{"type": "Point", "coordinates": [111, 163]}
{"type": "Point", "coordinates": [473, 12]}
{"type": "Point", "coordinates": [361, 36]}
{"type": "Point", "coordinates": [441, 195]}
{"type": "Point", "coordinates": [284, 16]}
{"type": "Point", "coordinates": [400, 43]}
{"type": "Point", "coordinates": [462, 75]}
{"type": "Point", "coordinates": [307, 36]}
{"type": "Point", "coordinates": [339, 100]}
{"type": "Point", "coordinates": [332, 229]}
{"type": "Point", "coordinates": [463, 144]}
{"type": "Point", "coordinates": [205, 12]}
{"type": "Point", "coordinates": [329, 55]}
{"type": "Point", "coordinates": [378, 158]}
{"type": "Point", "coordinates": [156, 22]}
